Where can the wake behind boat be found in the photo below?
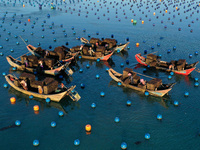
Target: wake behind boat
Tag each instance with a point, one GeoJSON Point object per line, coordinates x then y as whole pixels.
{"type": "Point", "coordinates": [179, 67]}
{"type": "Point", "coordinates": [131, 80]}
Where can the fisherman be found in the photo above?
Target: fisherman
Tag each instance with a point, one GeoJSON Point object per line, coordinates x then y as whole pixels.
{"type": "Point", "coordinates": [46, 54]}
{"type": "Point", "coordinates": [91, 52]}
{"type": "Point", "coordinates": [171, 67]}
{"type": "Point", "coordinates": [40, 90]}
{"type": "Point", "coordinates": [81, 48]}
{"type": "Point", "coordinates": [24, 85]}
{"type": "Point", "coordinates": [41, 65]}
{"type": "Point", "coordinates": [142, 81]}
{"type": "Point", "coordinates": [130, 76]}
{"type": "Point", "coordinates": [26, 62]}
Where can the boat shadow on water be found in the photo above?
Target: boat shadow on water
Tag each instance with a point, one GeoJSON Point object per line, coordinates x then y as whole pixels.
{"type": "Point", "coordinates": [164, 101]}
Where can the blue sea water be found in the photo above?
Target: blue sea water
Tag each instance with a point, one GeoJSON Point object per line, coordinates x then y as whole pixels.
{"type": "Point", "coordinates": [180, 126]}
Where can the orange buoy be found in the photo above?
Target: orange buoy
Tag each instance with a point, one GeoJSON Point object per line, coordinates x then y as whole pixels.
{"type": "Point", "coordinates": [142, 21]}
{"type": "Point", "coordinates": [166, 11]}
{"type": "Point", "coordinates": [137, 44]}
{"type": "Point", "coordinates": [176, 8]}
{"type": "Point", "coordinates": [88, 127]}
{"type": "Point", "coordinates": [154, 13]}
{"type": "Point", "coordinates": [23, 5]}
{"type": "Point", "coordinates": [132, 20]}
{"type": "Point", "coordinates": [36, 108]}
{"type": "Point", "coordinates": [29, 20]}
{"type": "Point", "coordinates": [12, 100]}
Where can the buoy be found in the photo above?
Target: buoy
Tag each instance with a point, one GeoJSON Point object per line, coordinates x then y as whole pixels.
{"type": "Point", "coordinates": [196, 84]}
{"type": "Point", "coordinates": [127, 62]}
{"type": "Point", "coordinates": [196, 79]}
{"type": "Point", "coordinates": [137, 44]}
{"type": "Point", "coordinates": [36, 143]}
{"type": "Point", "coordinates": [158, 44]}
{"type": "Point", "coordinates": [93, 105]}
{"type": "Point", "coordinates": [5, 85]}
{"type": "Point", "coordinates": [144, 70]}
{"type": "Point", "coordinates": [169, 77]}
{"type": "Point", "coordinates": [174, 48]}
{"type": "Point", "coordinates": [123, 145]}
{"type": "Point", "coordinates": [132, 20]}
{"type": "Point", "coordinates": [88, 128]}
{"type": "Point", "coordinates": [102, 94]}
{"type": "Point", "coordinates": [165, 11]}
{"type": "Point", "coordinates": [116, 119]}
{"type": "Point", "coordinates": [190, 55]}
{"type": "Point", "coordinates": [98, 59]}
{"type": "Point", "coordinates": [30, 96]}
{"type": "Point", "coordinates": [48, 100]}
{"type": "Point", "coordinates": [17, 122]}
{"type": "Point", "coordinates": [122, 65]}
{"type": "Point", "coordinates": [97, 76]}
{"type": "Point", "coordinates": [17, 43]}
{"type": "Point", "coordinates": [145, 51]}
{"type": "Point", "coordinates": [80, 70]}
{"type": "Point", "coordinates": [196, 53]}
{"type": "Point", "coordinates": [186, 94]}
{"type": "Point", "coordinates": [79, 57]}
{"type": "Point", "coordinates": [60, 113]}
{"type": "Point", "coordinates": [82, 85]}
{"type": "Point", "coordinates": [159, 116]}
{"type": "Point", "coordinates": [119, 83]}
{"type": "Point", "coordinates": [107, 68]}
{"type": "Point", "coordinates": [171, 73]}
{"type": "Point", "coordinates": [147, 136]}
{"type": "Point", "coordinates": [12, 100]}
{"type": "Point", "coordinates": [53, 124]}
{"type": "Point", "coordinates": [36, 108]}
{"type": "Point", "coordinates": [4, 74]}
{"type": "Point", "coordinates": [135, 22]}
{"type": "Point", "coordinates": [87, 66]}
{"type": "Point", "coordinates": [175, 103]}
{"type": "Point", "coordinates": [1, 54]}
{"type": "Point", "coordinates": [29, 20]}
{"type": "Point", "coordinates": [168, 51]}
{"type": "Point", "coordinates": [77, 142]}
{"type": "Point", "coordinates": [152, 47]}
{"type": "Point", "coordinates": [146, 93]}
{"type": "Point", "coordinates": [128, 103]}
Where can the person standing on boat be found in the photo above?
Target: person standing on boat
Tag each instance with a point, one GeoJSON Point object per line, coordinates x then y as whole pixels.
{"type": "Point", "coordinates": [41, 65]}
{"type": "Point", "coordinates": [130, 76]}
{"type": "Point", "coordinates": [91, 52]}
{"type": "Point", "coordinates": [142, 81]}
{"type": "Point", "coordinates": [26, 62]}
{"type": "Point", "coordinates": [40, 90]}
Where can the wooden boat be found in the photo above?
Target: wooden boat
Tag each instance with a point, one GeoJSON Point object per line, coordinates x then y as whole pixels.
{"type": "Point", "coordinates": [163, 65]}
{"type": "Point", "coordinates": [33, 51]}
{"type": "Point", "coordinates": [104, 58]}
{"type": "Point", "coordinates": [54, 96]}
{"type": "Point", "coordinates": [117, 48]}
{"type": "Point", "coordinates": [120, 47]}
{"type": "Point", "coordinates": [18, 64]}
{"type": "Point", "coordinates": [84, 40]}
{"type": "Point", "coordinates": [160, 92]}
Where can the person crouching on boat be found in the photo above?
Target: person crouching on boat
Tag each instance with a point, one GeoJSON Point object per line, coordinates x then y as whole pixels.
{"type": "Point", "coordinates": [171, 67]}
{"type": "Point", "coordinates": [24, 85]}
{"type": "Point", "coordinates": [142, 81]}
{"type": "Point", "coordinates": [26, 62]}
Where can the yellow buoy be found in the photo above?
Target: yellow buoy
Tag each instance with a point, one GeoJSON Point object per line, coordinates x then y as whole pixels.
{"type": "Point", "coordinates": [166, 11]}
{"type": "Point", "coordinates": [154, 13]}
{"type": "Point", "coordinates": [132, 20]}
{"type": "Point", "coordinates": [36, 108]}
{"type": "Point", "coordinates": [176, 8]}
{"type": "Point", "coordinates": [137, 44]}
{"type": "Point", "coordinates": [12, 100]}
{"type": "Point", "coordinates": [88, 127]}
{"type": "Point", "coordinates": [23, 5]}
{"type": "Point", "coordinates": [142, 21]}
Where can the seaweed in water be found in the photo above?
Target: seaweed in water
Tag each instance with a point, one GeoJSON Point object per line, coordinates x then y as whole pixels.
{"type": "Point", "coordinates": [10, 126]}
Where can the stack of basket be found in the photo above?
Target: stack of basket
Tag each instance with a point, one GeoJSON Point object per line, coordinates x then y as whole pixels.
{"type": "Point", "coordinates": [181, 64]}
{"type": "Point", "coordinates": [151, 59]}
{"type": "Point", "coordinates": [111, 43]}
{"type": "Point", "coordinates": [154, 84]}
{"type": "Point", "coordinates": [50, 85]}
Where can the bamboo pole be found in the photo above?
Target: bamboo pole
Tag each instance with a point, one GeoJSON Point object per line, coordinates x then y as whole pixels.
{"type": "Point", "coordinates": [23, 40]}
{"type": "Point", "coordinates": [144, 75]}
